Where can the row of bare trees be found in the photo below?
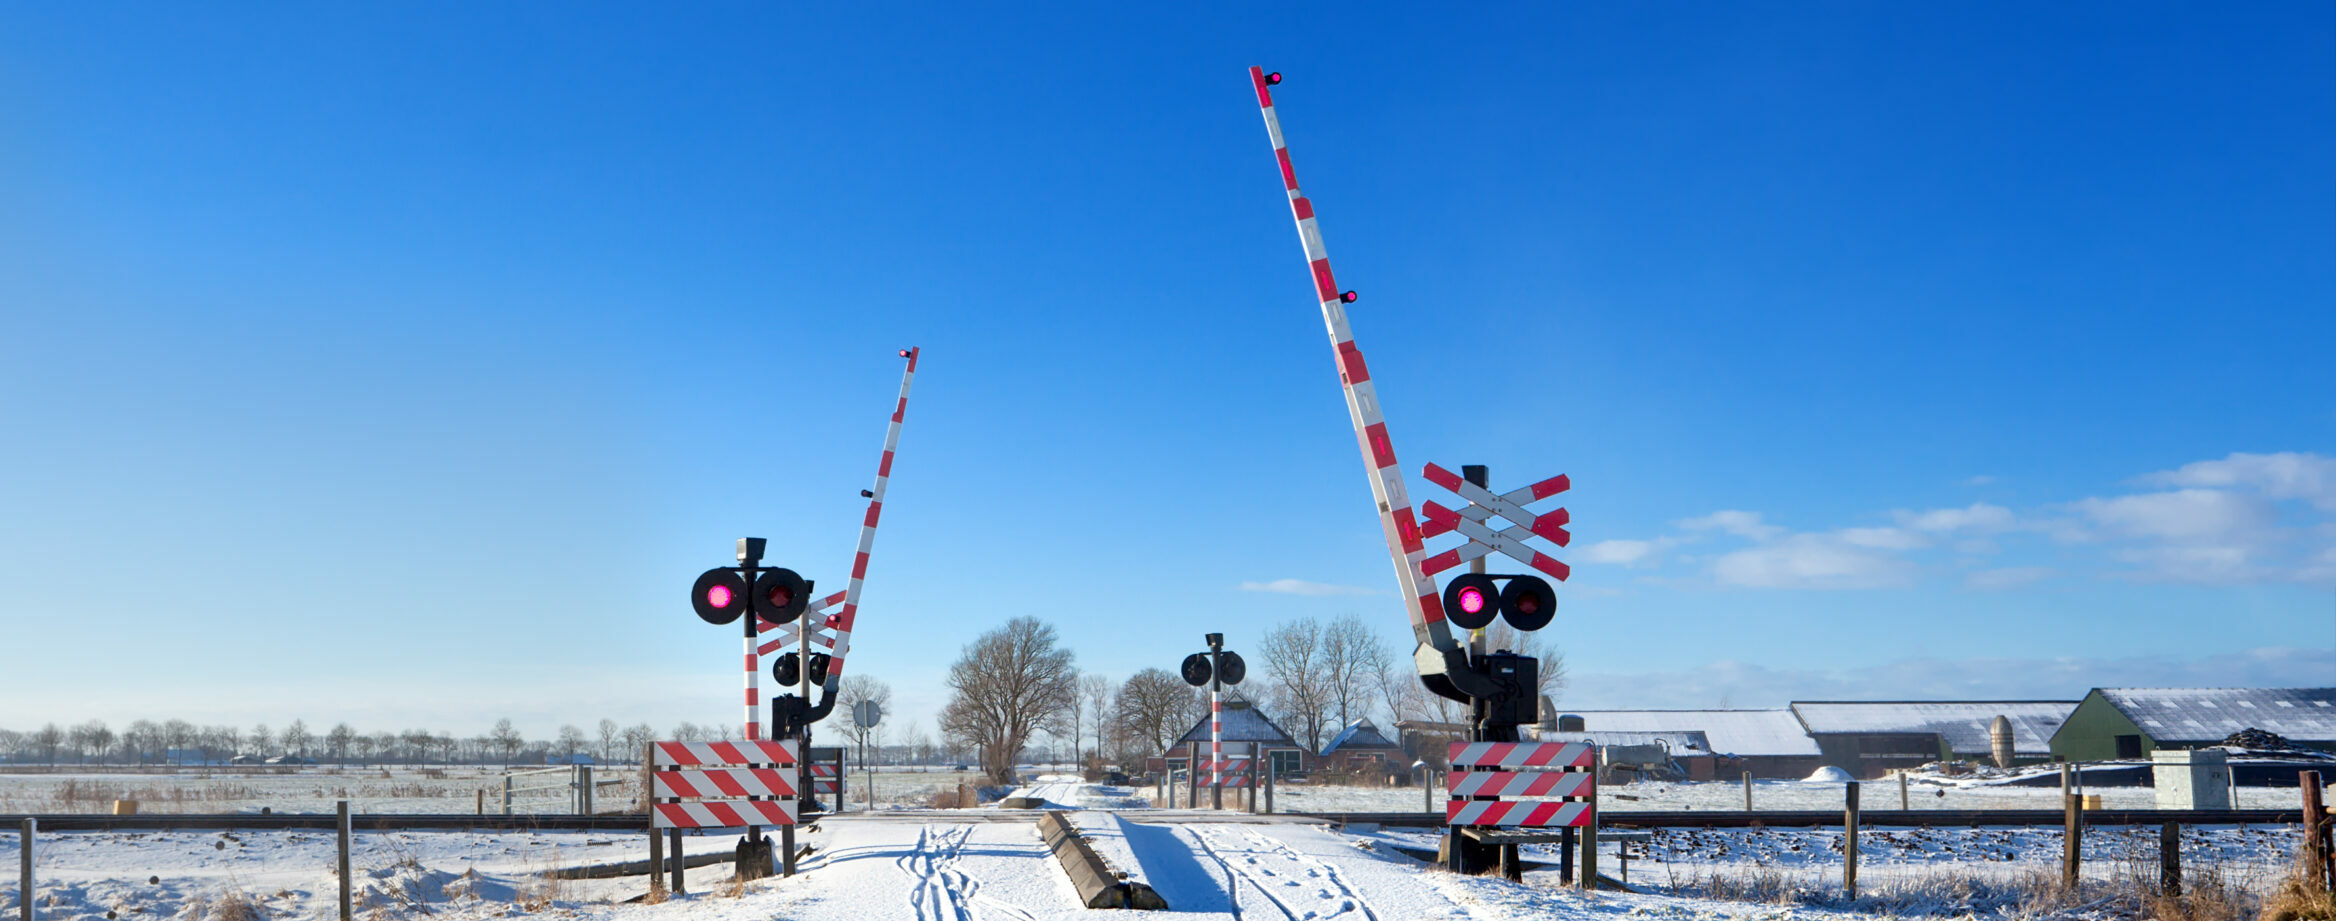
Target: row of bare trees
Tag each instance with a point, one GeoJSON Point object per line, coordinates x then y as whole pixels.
{"type": "Point", "coordinates": [1321, 676]}
{"type": "Point", "coordinates": [178, 742]}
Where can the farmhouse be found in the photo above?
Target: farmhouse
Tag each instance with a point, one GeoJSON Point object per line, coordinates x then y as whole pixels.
{"type": "Point", "coordinates": [1361, 748]}
{"type": "Point", "coordinates": [1246, 731]}
{"type": "Point", "coordinates": [1872, 738]}
{"type": "Point", "coordinates": [2129, 723]}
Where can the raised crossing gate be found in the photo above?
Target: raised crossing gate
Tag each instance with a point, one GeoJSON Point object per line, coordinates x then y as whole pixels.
{"type": "Point", "coordinates": [1522, 785]}
{"type": "Point", "coordinates": [732, 784]}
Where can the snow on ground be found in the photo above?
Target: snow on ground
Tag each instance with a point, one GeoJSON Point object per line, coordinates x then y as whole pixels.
{"type": "Point", "coordinates": [1068, 791]}
{"type": "Point", "coordinates": [1771, 794]}
{"type": "Point", "coordinates": [376, 790]}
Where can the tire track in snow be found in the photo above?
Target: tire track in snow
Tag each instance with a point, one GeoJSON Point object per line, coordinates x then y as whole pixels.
{"type": "Point", "coordinates": [941, 891]}
{"type": "Point", "coordinates": [1285, 889]}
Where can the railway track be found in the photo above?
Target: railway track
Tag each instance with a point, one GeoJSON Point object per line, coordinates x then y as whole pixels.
{"type": "Point", "coordinates": [1878, 818]}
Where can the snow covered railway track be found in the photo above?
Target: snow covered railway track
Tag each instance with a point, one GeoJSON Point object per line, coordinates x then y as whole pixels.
{"type": "Point", "coordinates": [1299, 887]}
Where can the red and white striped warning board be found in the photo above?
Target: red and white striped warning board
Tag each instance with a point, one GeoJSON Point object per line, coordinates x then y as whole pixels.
{"type": "Point", "coordinates": [722, 784]}
{"type": "Point", "coordinates": [702, 754]}
{"type": "Point", "coordinates": [1233, 771]}
{"type": "Point", "coordinates": [1522, 784]}
{"type": "Point", "coordinates": [1523, 754]}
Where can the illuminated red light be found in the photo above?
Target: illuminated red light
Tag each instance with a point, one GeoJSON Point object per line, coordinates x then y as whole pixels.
{"type": "Point", "coordinates": [1471, 600]}
{"type": "Point", "coordinates": [718, 596]}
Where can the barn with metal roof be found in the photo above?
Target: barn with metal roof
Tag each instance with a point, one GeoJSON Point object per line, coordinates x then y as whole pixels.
{"type": "Point", "coordinates": [2129, 723]}
{"type": "Point", "coordinates": [1768, 743]}
{"type": "Point", "coordinates": [1871, 738]}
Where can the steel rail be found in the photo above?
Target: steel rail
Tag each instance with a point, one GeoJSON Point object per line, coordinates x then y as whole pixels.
{"type": "Point", "coordinates": [1894, 818]}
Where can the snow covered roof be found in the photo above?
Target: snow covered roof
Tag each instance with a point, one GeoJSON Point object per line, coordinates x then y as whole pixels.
{"type": "Point", "coordinates": [1963, 724]}
{"type": "Point", "coordinates": [2212, 714]}
{"type": "Point", "coordinates": [1243, 723]}
{"type": "Point", "coordinates": [1732, 732]}
{"type": "Point", "coordinates": [1678, 743]}
{"type": "Point", "coordinates": [1359, 734]}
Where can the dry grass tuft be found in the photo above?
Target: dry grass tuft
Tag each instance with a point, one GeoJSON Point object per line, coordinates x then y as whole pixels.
{"type": "Point", "coordinates": [2300, 898]}
{"type": "Point", "coordinates": [230, 905]}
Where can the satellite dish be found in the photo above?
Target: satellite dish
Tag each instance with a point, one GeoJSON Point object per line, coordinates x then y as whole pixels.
{"type": "Point", "coordinates": [1196, 669]}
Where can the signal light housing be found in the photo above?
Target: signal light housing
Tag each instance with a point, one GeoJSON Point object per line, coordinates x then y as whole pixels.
{"type": "Point", "coordinates": [780, 595]}
{"type": "Point", "coordinates": [1348, 297]}
{"type": "Point", "coordinates": [788, 669]}
{"type": "Point", "coordinates": [1273, 79]}
{"type": "Point", "coordinates": [1196, 670]}
{"type": "Point", "coordinates": [1528, 603]}
{"type": "Point", "coordinates": [719, 596]}
{"type": "Point", "coordinates": [1230, 668]}
{"type": "Point", "coordinates": [1472, 601]}
{"type": "Point", "coordinates": [820, 662]}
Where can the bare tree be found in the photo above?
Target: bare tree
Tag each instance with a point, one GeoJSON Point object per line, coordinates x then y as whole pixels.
{"type": "Point", "coordinates": [1008, 684]}
{"type": "Point", "coordinates": [336, 742]}
{"type": "Point", "coordinates": [1095, 694]}
{"type": "Point", "coordinates": [1353, 657]}
{"type": "Point", "coordinates": [609, 732]}
{"type": "Point", "coordinates": [506, 739]}
{"type": "Point", "coordinates": [637, 738]}
{"type": "Point", "coordinates": [142, 738]}
{"type": "Point", "coordinates": [1154, 708]}
{"type": "Point", "coordinates": [260, 740]}
{"type": "Point", "coordinates": [571, 739]}
{"type": "Point", "coordinates": [1297, 680]}
{"type": "Point", "coordinates": [854, 689]}
{"type": "Point", "coordinates": [296, 739]}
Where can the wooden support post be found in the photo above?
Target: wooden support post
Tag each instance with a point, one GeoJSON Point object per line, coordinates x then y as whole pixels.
{"type": "Point", "coordinates": [1427, 790]}
{"type": "Point", "coordinates": [787, 844]}
{"type": "Point", "coordinates": [584, 771]}
{"type": "Point", "coordinates": [1565, 853]}
{"type": "Point", "coordinates": [482, 801]}
{"type": "Point", "coordinates": [1849, 839]}
{"type": "Point", "coordinates": [2315, 828]}
{"type": "Point", "coordinates": [1904, 804]}
{"type": "Point", "coordinates": [506, 794]}
{"type": "Point", "coordinates": [1269, 772]}
{"type": "Point", "coordinates": [1512, 867]}
{"type": "Point", "coordinates": [1747, 791]}
{"type": "Point", "coordinates": [673, 843]}
{"type": "Point", "coordinates": [2170, 859]}
{"type": "Point", "coordinates": [26, 831]}
{"type": "Point", "coordinates": [348, 911]}
{"type": "Point", "coordinates": [1590, 850]}
{"type": "Point", "coordinates": [656, 858]}
{"type": "Point", "coordinates": [2072, 832]}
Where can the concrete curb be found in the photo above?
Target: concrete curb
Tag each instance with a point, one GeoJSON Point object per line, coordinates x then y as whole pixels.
{"type": "Point", "coordinates": [1098, 885]}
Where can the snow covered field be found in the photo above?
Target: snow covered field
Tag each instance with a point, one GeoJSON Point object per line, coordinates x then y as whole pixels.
{"type": "Point", "coordinates": [1771, 794]}
{"type": "Point", "coordinates": [938, 865]}
{"type": "Point", "coordinates": [368, 790]}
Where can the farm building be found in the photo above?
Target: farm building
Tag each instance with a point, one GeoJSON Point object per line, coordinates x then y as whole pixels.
{"type": "Point", "coordinates": [1872, 738]}
{"type": "Point", "coordinates": [2129, 723]}
{"type": "Point", "coordinates": [1361, 748]}
{"type": "Point", "coordinates": [1689, 751]}
{"type": "Point", "coordinates": [1768, 743]}
{"type": "Point", "coordinates": [1246, 730]}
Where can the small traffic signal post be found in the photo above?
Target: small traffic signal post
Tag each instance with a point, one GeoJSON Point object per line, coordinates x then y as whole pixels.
{"type": "Point", "coordinates": [1500, 687]}
{"type": "Point", "coordinates": [749, 789]}
{"type": "Point", "coordinates": [1215, 669]}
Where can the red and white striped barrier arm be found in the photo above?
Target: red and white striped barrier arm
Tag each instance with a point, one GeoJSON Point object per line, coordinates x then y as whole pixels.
{"type": "Point", "coordinates": [710, 754]}
{"type": "Point", "coordinates": [724, 814]}
{"type": "Point", "coordinates": [1509, 755]}
{"type": "Point", "coordinates": [1216, 737]}
{"type": "Point", "coordinates": [844, 619]}
{"type": "Point", "coordinates": [721, 782]}
{"type": "Point", "coordinates": [1522, 783]}
{"type": "Point", "coordinates": [753, 686]}
{"type": "Point", "coordinates": [1529, 814]}
{"type": "Point", "coordinates": [1362, 404]}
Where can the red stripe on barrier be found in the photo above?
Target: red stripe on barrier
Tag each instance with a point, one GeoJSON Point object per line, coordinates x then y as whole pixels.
{"type": "Point", "coordinates": [874, 509]}
{"type": "Point", "coordinates": [724, 814]}
{"type": "Point", "coordinates": [884, 467]}
{"type": "Point", "coordinates": [1301, 208]}
{"type": "Point", "coordinates": [1289, 173]}
{"type": "Point", "coordinates": [900, 410]}
{"type": "Point", "coordinates": [1552, 567]}
{"type": "Point", "coordinates": [1441, 477]}
{"type": "Point", "coordinates": [1436, 564]}
{"type": "Point", "coordinates": [1407, 531]}
{"type": "Point", "coordinates": [1382, 450]}
{"type": "Point", "coordinates": [677, 752]}
{"type": "Point", "coordinates": [1441, 520]}
{"type": "Point", "coordinates": [1552, 486]}
{"type": "Point", "coordinates": [860, 566]}
{"type": "Point", "coordinates": [1431, 607]}
{"type": "Point", "coordinates": [728, 784]}
{"type": "Point", "coordinates": [1324, 284]}
{"type": "Point", "coordinates": [1351, 362]}
{"type": "Point", "coordinates": [1264, 95]}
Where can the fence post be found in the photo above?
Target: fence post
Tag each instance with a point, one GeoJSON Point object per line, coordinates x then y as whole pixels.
{"type": "Point", "coordinates": [586, 771]}
{"type": "Point", "coordinates": [1849, 840]}
{"type": "Point", "coordinates": [2170, 859]}
{"type": "Point", "coordinates": [1269, 772]}
{"type": "Point", "coordinates": [1747, 791]}
{"type": "Point", "coordinates": [26, 831]}
{"type": "Point", "coordinates": [2072, 834]}
{"type": "Point", "coordinates": [506, 794]}
{"type": "Point", "coordinates": [347, 910]}
{"type": "Point", "coordinates": [1590, 847]}
{"type": "Point", "coordinates": [2315, 828]}
{"type": "Point", "coordinates": [1903, 803]}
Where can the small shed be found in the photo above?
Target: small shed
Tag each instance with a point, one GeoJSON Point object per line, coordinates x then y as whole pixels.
{"type": "Point", "coordinates": [1361, 748]}
{"type": "Point", "coordinates": [1869, 738]}
{"type": "Point", "coordinates": [2129, 723]}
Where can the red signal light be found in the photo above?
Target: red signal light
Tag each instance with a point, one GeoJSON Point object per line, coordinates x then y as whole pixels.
{"type": "Point", "coordinates": [1471, 600]}
{"type": "Point", "coordinates": [780, 595]}
{"type": "Point", "coordinates": [1273, 79]}
{"type": "Point", "coordinates": [719, 596]}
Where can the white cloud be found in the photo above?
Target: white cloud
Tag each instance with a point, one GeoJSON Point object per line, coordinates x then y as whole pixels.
{"type": "Point", "coordinates": [2183, 514]}
{"type": "Point", "coordinates": [2210, 564]}
{"type": "Point", "coordinates": [2286, 475]}
{"type": "Point", "coordinates": [1811, 561]}
{"type": "Point", "coordinates": [1624, 552]}
{"type": "Point", "coordinates": [1734, 521]}
{"type": "Point", "coordinates": [2319, 569]}
{"type": "Point", "coordinates": [2008, 577]}
{"type": "Point", "coordinates": [1303, 587]}
{"type": "Point", "coordinates": [1882, 538]}
{"type": "Point", "coordinates": [1978, 516]}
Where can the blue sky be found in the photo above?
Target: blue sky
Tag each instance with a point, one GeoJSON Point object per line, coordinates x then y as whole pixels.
{"type": "Point", "coordinates": [404, 365]}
